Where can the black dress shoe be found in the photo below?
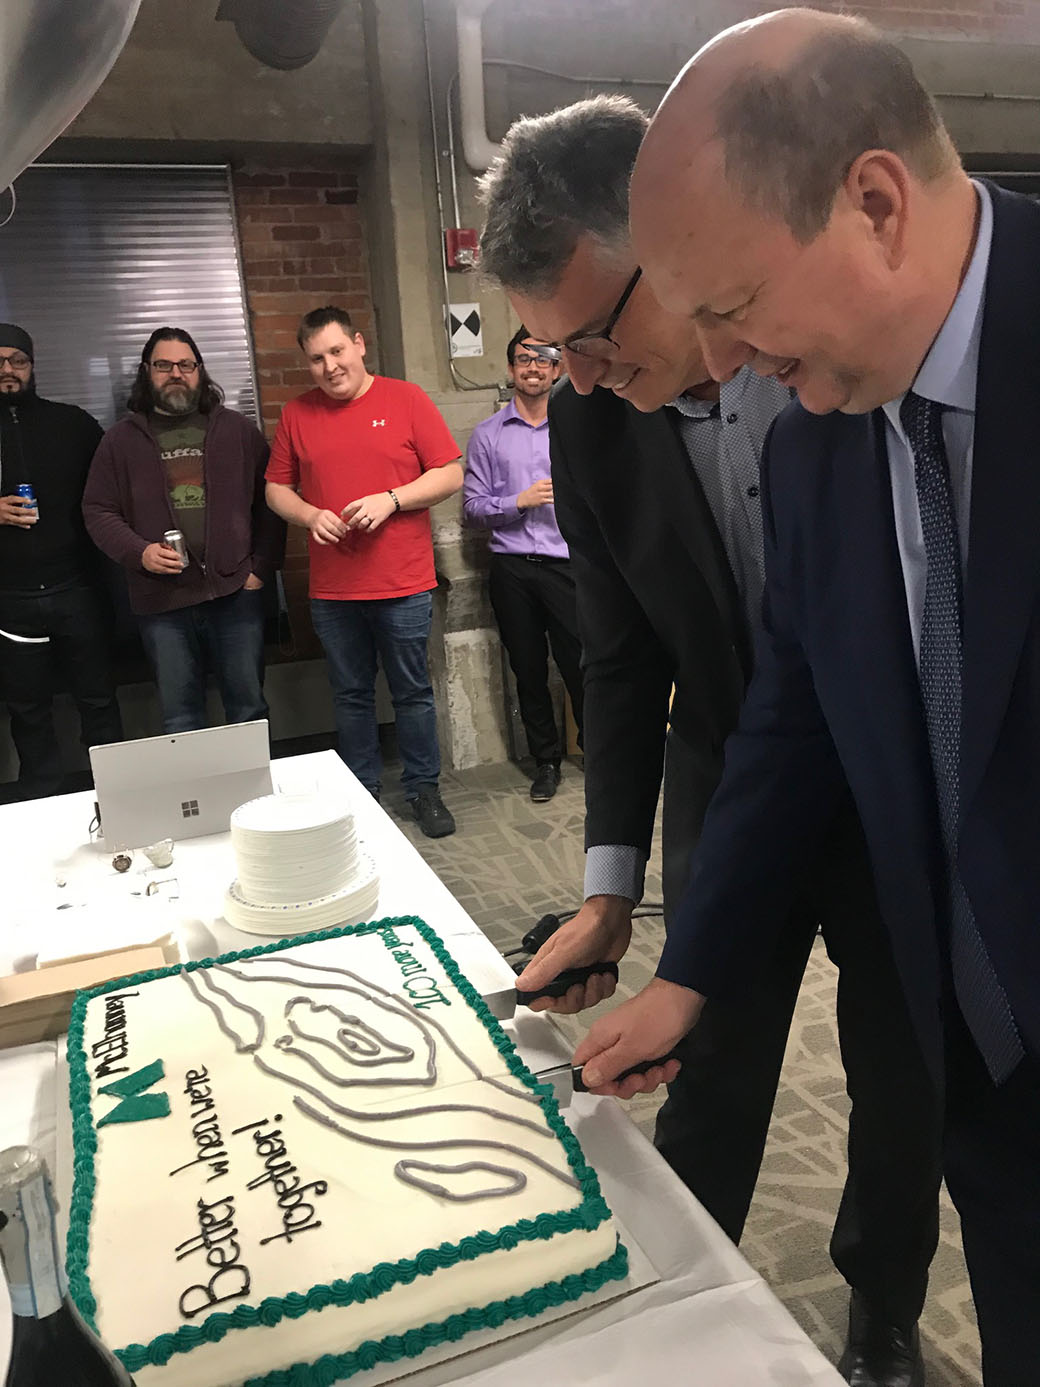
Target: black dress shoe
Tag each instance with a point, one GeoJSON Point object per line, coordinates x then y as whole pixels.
{"type": "Point", "coordinates": [546, 781]}
{"type": "Point", "coordinates": [432, 814]}
{"type": "Point", "coordinates": [878, 1353]}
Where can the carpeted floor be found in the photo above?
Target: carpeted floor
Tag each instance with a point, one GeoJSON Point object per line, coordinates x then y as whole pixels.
{"type": "Point", "coordinates": [512, 861]}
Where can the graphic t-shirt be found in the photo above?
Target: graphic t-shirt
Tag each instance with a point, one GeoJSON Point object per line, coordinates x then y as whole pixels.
{"type": "Point", "coordinates": [181, 439]}
{"type": "Point", "coordinates": [334, 453]}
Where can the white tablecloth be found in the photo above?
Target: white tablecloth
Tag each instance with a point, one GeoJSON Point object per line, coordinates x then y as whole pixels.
{"type": "Point", "coordinates": [707, 1318]}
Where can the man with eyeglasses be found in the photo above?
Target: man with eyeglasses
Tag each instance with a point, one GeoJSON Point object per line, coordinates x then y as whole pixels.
{"type": "Point", "coordinates": [655, 478]}
{"type": "Point", "coordinates": [508, 491]}
{"type": "Point", "coordinates": [53, 626]}
{"type": "Point", "coordinates": [182, 461]}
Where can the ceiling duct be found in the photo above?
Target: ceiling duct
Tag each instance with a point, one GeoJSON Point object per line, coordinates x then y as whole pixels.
{"type": "Point", "coordinates": [283, 34]}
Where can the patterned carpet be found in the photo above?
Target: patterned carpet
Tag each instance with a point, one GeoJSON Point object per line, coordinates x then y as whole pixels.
{"type": "Point", "coordinates": [512, 861]}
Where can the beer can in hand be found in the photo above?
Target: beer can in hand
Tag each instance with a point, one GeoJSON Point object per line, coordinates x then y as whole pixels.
{"type": "Point", "coordinates": [175, 540]}
{"type": "Point", "coordinates": [27, 494]}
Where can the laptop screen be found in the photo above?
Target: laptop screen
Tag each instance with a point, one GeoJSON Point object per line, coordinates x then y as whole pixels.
{"type": "Point", "coordinates": [180, 785]}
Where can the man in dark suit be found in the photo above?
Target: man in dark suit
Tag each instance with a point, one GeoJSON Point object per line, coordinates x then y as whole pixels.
{"type": "Point", "coordinates": [845, 250]}
{"type": "Point", "coordinates": [655, 477]}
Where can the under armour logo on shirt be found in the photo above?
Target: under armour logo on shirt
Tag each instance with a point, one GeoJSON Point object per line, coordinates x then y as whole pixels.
{"type": "Point", "coordinates": [379, 423]}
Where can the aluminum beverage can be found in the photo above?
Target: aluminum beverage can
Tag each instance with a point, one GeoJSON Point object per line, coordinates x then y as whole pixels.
{"type": "Point", "coordinates": [175, 540]}
{"type": "Point", "coordinates": [26, 491]}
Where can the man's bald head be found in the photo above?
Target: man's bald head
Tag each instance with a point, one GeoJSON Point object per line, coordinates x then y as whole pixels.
{"type": "Point", "coordinates": [798, 198]}
{"type": "Point", "coordinates": [789, 102]}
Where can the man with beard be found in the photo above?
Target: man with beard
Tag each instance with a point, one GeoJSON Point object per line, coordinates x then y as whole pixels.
{"type": "Point", "coordinates": [51, 618]}
{"type": "Point", "coordinates": [509, 492]}
{"type": "Point", "coordinates": [181, 460]}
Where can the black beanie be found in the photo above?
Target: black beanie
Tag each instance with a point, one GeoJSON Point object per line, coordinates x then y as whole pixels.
{"type": "Point", "coordinates": [13, 336]}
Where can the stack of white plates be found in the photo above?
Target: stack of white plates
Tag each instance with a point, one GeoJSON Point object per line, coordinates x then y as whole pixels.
{"type": "Point", "coordinates": [300, 867]}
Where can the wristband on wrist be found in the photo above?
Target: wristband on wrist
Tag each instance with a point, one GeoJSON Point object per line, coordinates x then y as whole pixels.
{"type": "Point", "coordinates": [393, 497]}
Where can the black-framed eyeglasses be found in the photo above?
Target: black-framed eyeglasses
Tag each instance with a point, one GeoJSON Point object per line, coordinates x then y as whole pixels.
{"type": "Point", "coordinates": [546, 351]}
{"type": "Point", "coordinates": [17, 361]}
{"type": "Point", "coordinates": [536, 356]}
{"type": "Point", "coordinates": [186, 368]}
{"type": "Point", "coordinates": [601, 343]}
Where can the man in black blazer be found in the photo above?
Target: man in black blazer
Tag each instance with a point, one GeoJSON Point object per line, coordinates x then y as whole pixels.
{"type": "Point", "coordinates": [660, 509]}
{"type": "Point", "coordinates": [845, 250]}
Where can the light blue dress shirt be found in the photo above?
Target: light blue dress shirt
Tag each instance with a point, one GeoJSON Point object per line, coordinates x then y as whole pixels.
{"type": "Point", "coordinates": [948, 375]}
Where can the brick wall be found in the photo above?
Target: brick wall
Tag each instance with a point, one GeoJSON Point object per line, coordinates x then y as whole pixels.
{"type": "Point", "coordinates": [302, 246]}
{"type": "Point", "coordinates": [999, 21]}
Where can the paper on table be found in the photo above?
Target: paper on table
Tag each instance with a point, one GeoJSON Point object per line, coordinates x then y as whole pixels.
{"type": "Point", "coordinates": [87, 931]}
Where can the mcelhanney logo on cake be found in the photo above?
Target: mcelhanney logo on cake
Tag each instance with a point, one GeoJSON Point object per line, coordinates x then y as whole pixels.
{"type": "Point", "coordinates": [113, 1047]}
{"type": "Point", "coordinates": [137, 1105]}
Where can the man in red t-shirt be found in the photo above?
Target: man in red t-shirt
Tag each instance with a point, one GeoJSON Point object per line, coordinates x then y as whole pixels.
{"type": "Point", "coordinates": [359, 461]}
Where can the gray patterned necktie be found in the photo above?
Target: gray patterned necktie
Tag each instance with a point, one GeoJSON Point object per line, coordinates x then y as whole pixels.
{"type": "Point", "coordinates": [981, 997]}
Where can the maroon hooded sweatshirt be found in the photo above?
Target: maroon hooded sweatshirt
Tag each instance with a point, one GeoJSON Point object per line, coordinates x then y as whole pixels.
{"type": "Point", "coordinates": [126, 506]}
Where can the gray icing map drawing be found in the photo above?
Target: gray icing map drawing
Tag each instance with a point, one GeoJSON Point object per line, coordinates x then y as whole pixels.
{"type": "Point", "coordinates": [340, 1036]}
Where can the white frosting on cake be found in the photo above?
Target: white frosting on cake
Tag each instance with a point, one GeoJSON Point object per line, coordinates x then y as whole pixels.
{"type": "Point", "coordinates": [347, 1077]}
{"type": "Point", "coordinates": [293, 848]}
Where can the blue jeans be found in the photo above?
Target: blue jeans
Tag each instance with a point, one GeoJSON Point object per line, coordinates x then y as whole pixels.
{"type": "Point", "coordinates": [396, 629]}
{"type": "Point", "coordinates": [225, 635]}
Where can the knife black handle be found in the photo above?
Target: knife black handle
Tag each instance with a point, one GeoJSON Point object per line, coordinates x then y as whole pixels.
{"type": "Point", "coordinates": [563, 982]}
{"type": "Point", "coordinates": [642, 1068]}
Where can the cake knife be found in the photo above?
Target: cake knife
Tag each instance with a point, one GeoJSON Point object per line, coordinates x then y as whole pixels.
{"type": "Point", "coordinates": [503, 1003]}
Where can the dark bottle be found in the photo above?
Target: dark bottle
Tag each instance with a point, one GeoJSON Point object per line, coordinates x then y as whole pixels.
{"type": "Point", "coordinates": [51, 1346]}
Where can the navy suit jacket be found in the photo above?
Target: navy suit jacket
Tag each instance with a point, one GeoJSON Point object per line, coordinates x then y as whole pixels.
{"type": "Point", "coordinates": [835, 695]}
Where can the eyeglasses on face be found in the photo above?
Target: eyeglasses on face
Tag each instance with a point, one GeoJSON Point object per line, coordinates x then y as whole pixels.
{"type": "Point", "coordinates": [530, 359]}
{"type": "Point", "coordinates": [187, 367]}
{"type": "Point", "coordinates": [17, 361]}
{"type": "Point", "coordinates": [601, 343]}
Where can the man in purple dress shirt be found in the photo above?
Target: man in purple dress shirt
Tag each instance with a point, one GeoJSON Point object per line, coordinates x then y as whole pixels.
{"type": "Point", "coordinates": [509, 492]}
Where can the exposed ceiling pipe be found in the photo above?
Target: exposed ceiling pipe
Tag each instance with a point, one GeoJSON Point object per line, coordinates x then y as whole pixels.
{"type": "Point", "coordinates": [987, 96]}
{"type": "Point", "coordinates": [460, 381]}
{"type": "Point", "coordinates": [478, 150]}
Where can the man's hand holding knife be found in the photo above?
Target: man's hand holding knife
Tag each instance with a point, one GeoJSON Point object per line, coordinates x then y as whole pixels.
{"type": "Point", "coordinates": [645, 1028]}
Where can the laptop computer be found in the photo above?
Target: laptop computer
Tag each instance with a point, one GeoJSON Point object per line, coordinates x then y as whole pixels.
{"type": "Point", "coordinates": [180, 785]}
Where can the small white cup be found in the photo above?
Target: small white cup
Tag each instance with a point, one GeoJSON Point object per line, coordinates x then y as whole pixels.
{"type": "Point", "coordinates": [160, 854]}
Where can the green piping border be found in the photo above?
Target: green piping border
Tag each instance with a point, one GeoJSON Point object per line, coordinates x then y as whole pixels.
{"type": "Point", "coordinates": [589, 1214]}
{"type": "Point", "coordinates": [332, 1368]}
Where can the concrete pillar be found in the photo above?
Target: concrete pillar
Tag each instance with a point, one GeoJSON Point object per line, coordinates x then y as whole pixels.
{"type": "Point", "coordinates": [405, 246]}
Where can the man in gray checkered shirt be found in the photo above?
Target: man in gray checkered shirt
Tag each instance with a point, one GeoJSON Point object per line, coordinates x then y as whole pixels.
{"type": "Point", "coordinates": [655, 477]}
